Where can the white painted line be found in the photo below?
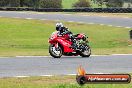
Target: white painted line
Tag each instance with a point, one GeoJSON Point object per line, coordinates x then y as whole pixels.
{"type": "Point", "coordinates": [41, 13]}
{"type": "Point", "coordinates": [99, 55]}
{"type": "Point", "coordinates": [118, 26]}
{"type": "Point", "coordinates": [104, 16]}
{"type": "Point", "coordinates": [56, 75]}
{"type": "Point", "coordinates": [47, 75]}
{"type": "Point", "coordinates": [126, 17]}
{"type": "Point", "coordinates": [128, 27]}
{"type": "Point", "coordinates": [102, 24]}
{"type": "Point", "coordinates": [121, 54]}
{"type": "Point", "coordinates": [29, 18]}
{"type": "Point", "coordinates": [110, 25]}
{"type": "Point", "coordinates": [71, 21]}
{"type": "Point", "coordinates": [85, 15]}
{"type": "Point", "coordinates": [90, 23]}
{"type": "Point", "coordinates": [99, 73]}
{"type": "Point", "coordinates": [21, 76]}
{"type": "Point", "coordinates": [114, 55]}
{"type": "Point", "coordinates": [67, 14]}
{"type": "Point", "coordinates": [71, 74]}
{"type": "Point", "coordinates": [16, 17]}
{"type": "Point", "coordinates": [50, 56]}
{"type": "Point", "coordinates": [43, 19]}
{"type": "Point", "coordinates": [32, 56]}
{"type": "Point", "coordinates": [66, 56]}
{"type": "Point", "coordinates": [81, 22]}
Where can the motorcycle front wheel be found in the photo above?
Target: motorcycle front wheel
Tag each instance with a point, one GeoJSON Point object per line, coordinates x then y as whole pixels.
{"type": "Point", "coordinates": [55, 52]}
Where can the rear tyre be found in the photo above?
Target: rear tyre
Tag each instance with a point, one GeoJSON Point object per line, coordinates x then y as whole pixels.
{"type": "Point", "coordinates": [55, 52]}
{"type": "Point", "coordinates": [86, 52]}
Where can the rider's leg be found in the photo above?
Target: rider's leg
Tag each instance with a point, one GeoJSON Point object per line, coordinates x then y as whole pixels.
{"type": "Point", "coordinates": [74, 45]}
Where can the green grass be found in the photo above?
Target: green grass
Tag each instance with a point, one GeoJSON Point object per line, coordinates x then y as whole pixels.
{"type": "Point", "coordinates": [53, 82]}
{"type": "Point", "coordinates": [68, 3]}
{"type": "Point", "coordinates": [30, 37]}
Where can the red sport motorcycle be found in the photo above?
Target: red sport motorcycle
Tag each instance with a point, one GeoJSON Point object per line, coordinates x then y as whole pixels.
{"type": "Point", "coordinates": [62, 45]}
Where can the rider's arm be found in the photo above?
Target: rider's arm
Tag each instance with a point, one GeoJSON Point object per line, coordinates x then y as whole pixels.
{"type": "Point", "coordinates": [66, 31]}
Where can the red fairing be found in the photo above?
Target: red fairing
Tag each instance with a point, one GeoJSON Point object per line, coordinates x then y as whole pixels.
{"type": "Point", "coordinates": [66, 45]}
{"type": "Point", "coordinates": [80, 36]}
{"type": "Point", "coordinates": [63, 40]}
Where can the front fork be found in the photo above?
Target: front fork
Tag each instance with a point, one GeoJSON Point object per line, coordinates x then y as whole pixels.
{"type": "Point", "coordinates": [56, 45]}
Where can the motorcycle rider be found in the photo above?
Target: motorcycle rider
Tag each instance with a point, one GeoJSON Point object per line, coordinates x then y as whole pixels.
{"type": "Point", "coordinates": [64, 30]}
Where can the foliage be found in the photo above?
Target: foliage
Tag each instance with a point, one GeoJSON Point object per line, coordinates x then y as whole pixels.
{"type": "Point", "coordinates": [114, 3]}
{"type": "Point", "coordinates": [10, 3]}
{"type": "Point", "coordinates": [51, 3]}
{"type": "Point", "coordinates": [31, 3]}
{"type": "Point", "coordinates": [82, 3]}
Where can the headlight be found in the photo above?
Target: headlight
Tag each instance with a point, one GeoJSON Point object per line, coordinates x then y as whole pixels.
{"type": "Point", "coordinates": [52, 38]}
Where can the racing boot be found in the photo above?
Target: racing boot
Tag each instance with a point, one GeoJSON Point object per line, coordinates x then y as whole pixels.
{"type": "Point", "coordinates": [74, 46]}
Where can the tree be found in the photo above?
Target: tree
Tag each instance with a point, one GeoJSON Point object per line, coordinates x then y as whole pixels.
{"type": "Point", "coordinates": [50, 3]}
{"type": "Point", "coordinates": [21, 3]}
{"type": "Point", "coordinates": [32, 3]}
{"type": "Point", "coordinates": [114, 3]}
{"type": "Point", "coordinates": [10, 3]}
{"type": "Point", "coordinates": [27, 3]}
{"type": "Point", "coordinates": [100, 2]}
{"type": "Point", "coordinates": [3, 3]}
{"type": "Point", "coordinates": [14, 3]}
{"type": "Point", "coordinates": [81, 3]}
{"type": "Point", "coordinates": [35, 3]}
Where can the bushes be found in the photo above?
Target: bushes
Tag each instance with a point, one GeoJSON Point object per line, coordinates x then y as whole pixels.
{"type": "Point", "coordinates": [114, 3]}
{"type": "Point", "coordinates": [14, 3]}
{"type": "Point", "coordinates": [32, 3]}
{"type": "Point", "coordinates": [82, 3]}
{"type": "Point", "coordinates": [3, 3]}
{"type": "Point", "coordinates": [26, 3]}
{"type": "Point", "coordinates": [9, 3]}
{"type": "Point", "coordinates": [50, 3]}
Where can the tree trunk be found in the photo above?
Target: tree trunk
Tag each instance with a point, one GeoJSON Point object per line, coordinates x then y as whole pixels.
{"type": "Point", "coordinates": [21, 3]}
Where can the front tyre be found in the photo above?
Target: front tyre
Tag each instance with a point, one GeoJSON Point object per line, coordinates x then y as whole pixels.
{"type": "Point", "coordinates": [55, 52]}
{"type": "Point", "coordinates": [86, 52]}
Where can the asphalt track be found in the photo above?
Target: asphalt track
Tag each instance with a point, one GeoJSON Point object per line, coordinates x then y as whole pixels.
{"type": "Point", "coordinates": [41, 66]}
{"type": "Point", "coordinates": [113, 21]}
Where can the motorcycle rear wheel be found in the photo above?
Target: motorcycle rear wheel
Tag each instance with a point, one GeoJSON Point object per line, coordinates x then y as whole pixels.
{"type": "Point", "coordinates": [55, 52]}
{"type": "Point", "coordinates": [86, 53]}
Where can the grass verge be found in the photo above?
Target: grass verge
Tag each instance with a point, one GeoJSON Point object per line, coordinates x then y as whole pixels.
{"type": "Point", "coordinates": [52, 82]}
{"type": "Point", "coordinates": [30, 37]}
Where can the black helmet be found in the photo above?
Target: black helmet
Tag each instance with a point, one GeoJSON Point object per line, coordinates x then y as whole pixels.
{"type": "Point", "coordinates": [59, 26]}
